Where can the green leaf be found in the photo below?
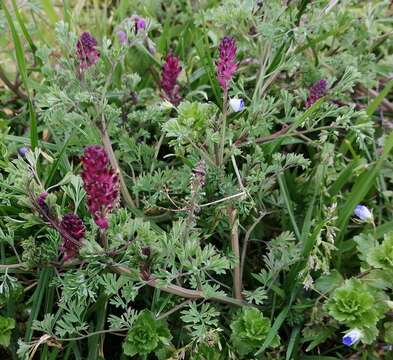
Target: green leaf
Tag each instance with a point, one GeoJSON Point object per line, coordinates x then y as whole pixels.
{"type": "Point", "coordinates": [288, 203]}
{"type": "Point", "coordinates": [359, 190]}
{"type": "Point", "coordinates": [377, 101]}
{"type": "Point", "coordinates": [249, 329]}
{"type": "Point", "coordinates": [20, 59]}
{"type": "Point", "coordinates": [146, 335]}
{"type": "Point", "coordinates": [327, 283]}
{"type": "Point", "coordinates": [6, 326]}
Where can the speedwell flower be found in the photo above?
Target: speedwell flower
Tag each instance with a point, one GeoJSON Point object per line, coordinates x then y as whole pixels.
{"type": "Point", "coordinates": [363, 213]}
{"type": "Point", "coordinates": [352, 337]}
{"type": "Point", "coordinates": [22, 151]}
{"type": "Point", "coordinates": [236, 104]}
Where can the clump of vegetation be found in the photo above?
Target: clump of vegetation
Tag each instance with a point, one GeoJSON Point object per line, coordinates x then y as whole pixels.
{"type": "Point", "coordinates": [171, 190]}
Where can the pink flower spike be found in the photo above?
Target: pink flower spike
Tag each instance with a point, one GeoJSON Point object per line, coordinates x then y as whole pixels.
{"type": "Point", "coordinates": [72, 232]}
{"type": "Point", "coordinates": [170, 72]}
{"type": "Point", "coordinates": [226, 65]}
{"type": "Point", "coordinates": [101, 184]}
{"type": "Point", "coordinates": [86, 50]}
{"type": "Point", "coordinates": [317, 91]}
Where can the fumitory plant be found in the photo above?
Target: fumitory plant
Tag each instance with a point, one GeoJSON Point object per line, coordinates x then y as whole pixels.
{"type": "Point", "coordinates": [196, 180]}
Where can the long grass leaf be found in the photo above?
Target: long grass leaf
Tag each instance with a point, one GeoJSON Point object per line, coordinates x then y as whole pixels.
{"type": "Point", "coordinates": [42, 284]}
{"type": "Point", "coordinates": [22, 25]}
{"type": "Point", "coordinates": [56, 164]}
{"type": "Point", "coordinates": [47, 5]}
{"type": "Point", "coordinates": [288, 204]}
{"type": "Point", "coordinates": [359, 190]}
{"type": "Point", "coordinates": [378, 99]}
{"type": "Point", "coordinates": [21, 62]}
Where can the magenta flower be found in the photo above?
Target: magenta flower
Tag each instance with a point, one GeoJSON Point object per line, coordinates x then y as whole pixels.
{"type": "Point", "coordinates": [170, 72]}
{"type": "Point", "coordinates": [72, 231]}
{"type": "Point", "coordinates": [86, 50]}
{"type": "Point", "coordinates": [140, 23]}
{"type": "Point", "coordinates": [316, 92]}
{"type": "Point", "coordinates": [41, 202]}
{"type": "Point", "coordinates": [122, 36]}
{"type": "Point", "coordinates": [101, 184]}
{"type": "Point", "coordinates": [226, 65]}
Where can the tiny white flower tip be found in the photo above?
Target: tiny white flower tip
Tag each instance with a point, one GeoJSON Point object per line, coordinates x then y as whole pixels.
{"type": "Point", "coordinates": [166, 105]}
{"type": "Point", "coordinates": [236, 104]}
{"type": "Point", "coordinates": [363, 213]}
{"type": "Point", "coordinates": [352, 337]}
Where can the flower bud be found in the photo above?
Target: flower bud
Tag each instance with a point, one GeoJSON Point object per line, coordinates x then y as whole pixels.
{"type": "Point", "coordinates": [22, 151]}
{"type": "Point", "coordinates": [352, 337]}
{"type": "Point", "coordinates": [72, 232]}
{"type": "Point", "coordinates": [236, 104]}
{"type": "Point", "coordinates": [363, 213]}
{"type": "Point", "coordinates": [122, 36]}
{"type": "Point", "coordinates": [316, 92]}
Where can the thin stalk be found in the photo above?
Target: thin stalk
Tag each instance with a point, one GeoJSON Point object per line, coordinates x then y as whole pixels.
{"type": "Point", "coordinates": [245, 244]}
{"type": "Point", "coordinates": [179, 290]}
{"type": "Point", "coordinates": [234, 224]}
{"type": "Point", "coordinates": [223, 128]}
{"type": "Point", "coordinates": [112, 158]}
{"type": "Point", "coordinates": [13, 87]}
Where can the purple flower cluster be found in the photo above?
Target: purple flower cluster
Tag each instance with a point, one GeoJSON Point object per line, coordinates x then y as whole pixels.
{"type": "Point", "coordinates": [226, 65]}
{"type": "Point", "coordinates": [316, 92]}
{"type": "Point", "coordinates": [41, 202]}
{"type": "Point", "coordinates": [86, 50]}
{"type": "Point", "coordinates": [101, 184]}
{"type": "Point", "coordinates": [200, 173]}
{"type": "Point", "coordinates": [139, 23]}
{"type": "Point", "coordinates": [170, 72]}
{"type": "Point", "coordinates": [198, 180]}
{"type": "Point", "coordinates": [72, 232]}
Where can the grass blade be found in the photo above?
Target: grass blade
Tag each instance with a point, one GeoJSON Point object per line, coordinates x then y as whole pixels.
{"type": "Point", "coordinates": [22, 25]}
{"type": "Point", "coordinates": [359, 190]}
{"type": "Point", "coordinates": [377, 101]}
{"type": "Point", "coordinates": [50, 11]}
{"type": "Point", "coordinates": [21, 62]}
{"type": "Point", "coordinates": [56, 164]}
{"type": "Point", "coordinates": [42, 285]}
{"type": "Point", "coordinates": [288, 203]}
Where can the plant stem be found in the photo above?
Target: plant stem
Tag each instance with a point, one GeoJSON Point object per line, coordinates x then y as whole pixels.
{"type": "Point", "coordinates": [13, 87]}
{"type": "Point", "coordinates": [245, 244]}
{"type": "Point", "coordinates": [180, 291]}
{"type": "Point", "coordinates": [112, 158]}
{"type": "Point", "coordinates": [223, 128]}
{"type": "Point", "coordinates": [234, 224]}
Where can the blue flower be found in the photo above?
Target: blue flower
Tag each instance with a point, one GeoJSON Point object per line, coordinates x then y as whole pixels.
{"type": "Point", "coordinates": [236, 104]}
{"type": "Point", "coordinates": [352, 337]}
{"type": "Point", "coordinates": [22, 151]}
{"type": "Point", "coordinates": [363, 213]}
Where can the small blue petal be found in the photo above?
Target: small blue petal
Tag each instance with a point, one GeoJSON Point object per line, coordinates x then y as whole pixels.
{"type": "Point", "coordinates": [22, 151]}
{"type": "Point", "coordinates": [363, 213]}
{"type": "Point", "coordinates": [347, 340]}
